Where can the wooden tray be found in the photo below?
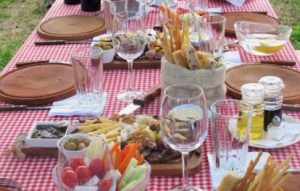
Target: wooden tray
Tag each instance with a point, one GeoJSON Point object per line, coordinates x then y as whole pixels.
{"type": "Point", "coordinates": [163, 169]}
{"type": "Point", "coordinates": [137, 64]}
{"type": "Point", "coordinates": [73, 27]}
{"type": "Point", "coordinates": [247, 73]}
{"type": "Point", "coordinates": [232, 18]}
{"type": "Point", "coordinates": [37, 84]}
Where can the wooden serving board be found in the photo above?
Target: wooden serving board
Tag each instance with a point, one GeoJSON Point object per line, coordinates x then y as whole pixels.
{"type": "Point", "coordinates": [232, 18]}
{"type": "Point", "coordinates": [251, 73]}
{"type": "Point", "coordinates": [37, 84]}
{"type": "Point", "coordinates": [137, 64]}
{"type": "Point", "coordinates": [163, 169]}
{"type": "Point", "coordinates": [72, 27]}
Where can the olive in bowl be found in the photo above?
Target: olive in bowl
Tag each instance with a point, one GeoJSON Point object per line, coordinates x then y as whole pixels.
{"type": "Point", "coordinates": [105, 43]}
{"type": "Point", "coordinates": [74, 145]}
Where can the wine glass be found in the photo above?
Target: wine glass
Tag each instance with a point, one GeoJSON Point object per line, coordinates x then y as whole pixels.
{"type": "Point", "coordinates": [184, 122]}
{"type": "Point", "coordinates": [129, 40]}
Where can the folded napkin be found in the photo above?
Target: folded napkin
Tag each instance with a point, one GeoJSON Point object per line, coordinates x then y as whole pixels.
{"type": "Point", "coordinates": [71, 107]}
{"type": "Point", "coordinates": [216, 177]}
{"type": "Point", "coordinates": [290, 132]}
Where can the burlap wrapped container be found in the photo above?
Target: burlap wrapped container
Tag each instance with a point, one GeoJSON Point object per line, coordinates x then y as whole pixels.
{"type": "Point", "coordinates": [212, 81]}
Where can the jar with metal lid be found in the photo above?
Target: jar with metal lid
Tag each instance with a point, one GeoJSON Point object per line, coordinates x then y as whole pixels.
{"type": "Point", "coordinates": [253, 94]}
{"type": "Point", "coordinates": [273, 99]}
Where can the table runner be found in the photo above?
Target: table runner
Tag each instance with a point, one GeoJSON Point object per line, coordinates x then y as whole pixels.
{"type": "Point", "coordinates": [35, 173]}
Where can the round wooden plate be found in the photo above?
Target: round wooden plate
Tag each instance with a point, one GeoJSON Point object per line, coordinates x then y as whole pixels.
{"type": "Point", "coordinates": [37, 84]}
{"type": "Point", "coordinates": [232, 18]}
{"type": "Point", "coordinates": [247, 73]}
{"type": "Point", "coordinates": [73, 27]}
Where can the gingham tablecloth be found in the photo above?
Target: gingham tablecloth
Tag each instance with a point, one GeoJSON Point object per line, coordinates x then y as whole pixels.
{"type": "Point", "coordinates": [35, 173]}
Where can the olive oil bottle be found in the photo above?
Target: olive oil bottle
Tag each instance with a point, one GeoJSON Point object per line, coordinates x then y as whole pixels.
{"type": "Point", "coordinates": [253, 94]}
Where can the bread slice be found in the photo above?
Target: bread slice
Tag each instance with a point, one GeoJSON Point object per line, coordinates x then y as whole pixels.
{"type": "Point", "coordinates": [180, 58]}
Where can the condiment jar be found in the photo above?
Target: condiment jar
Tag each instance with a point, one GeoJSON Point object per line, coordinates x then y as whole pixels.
{"type": "Point", "coordinates": [273, 98]}
{"type": "Point", "coordinates": [253, 94]}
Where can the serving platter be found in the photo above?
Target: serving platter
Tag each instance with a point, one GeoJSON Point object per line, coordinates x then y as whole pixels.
{"type": "Point", "coordinates": [251, 73]}
{"type": "Point", "coordinates": [37, 84]}
{"type": "Point", "coordinates": [234, 17]}
{"type": "Point", "coordinates": [72, 27]}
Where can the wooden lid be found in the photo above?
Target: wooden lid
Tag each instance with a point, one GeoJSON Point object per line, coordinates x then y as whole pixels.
{"type": "Point", "coordinates": [37, 84]}
{"type": "Point", "coordinates": [73, 27]}
{"type": "Point", "coordinates": [232, 18]}
{"type": "Point", "coordinates": [251, 73]}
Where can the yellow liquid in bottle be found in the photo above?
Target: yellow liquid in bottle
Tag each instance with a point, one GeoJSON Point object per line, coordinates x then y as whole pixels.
{"type": "Point", "coordinates": [257, 125]}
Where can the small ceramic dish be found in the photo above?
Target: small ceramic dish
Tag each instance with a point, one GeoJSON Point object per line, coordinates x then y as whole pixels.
{"type": "Point", "coordinates": [108, 54]}
{"type": "Point", "coordinates": [47, 133]}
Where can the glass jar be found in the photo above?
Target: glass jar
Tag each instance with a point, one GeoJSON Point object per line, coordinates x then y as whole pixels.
{"type": "Point", "coordinates": [253, 94]}
{"type": "Point", "coordinates": [273, 98]}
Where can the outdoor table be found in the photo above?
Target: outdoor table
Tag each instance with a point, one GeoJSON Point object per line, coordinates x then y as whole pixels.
{"type": "Point", "coordinates": [34, 173]}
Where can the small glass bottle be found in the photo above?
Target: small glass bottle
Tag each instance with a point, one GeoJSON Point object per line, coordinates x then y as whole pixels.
{"type": "Point", "coordinates": [273, 98]}
{"type": "Point", "coordinates": [253, 94]}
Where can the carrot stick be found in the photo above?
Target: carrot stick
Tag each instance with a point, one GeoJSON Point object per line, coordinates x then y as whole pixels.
{"type": "Point", "coordinates": [139, 158]}
{"type": "Point", "coordinates": [118, 158]}
{"type": "Point", "coordinates": [133, 149]}
{"type": "Point", "coordinates": [115, 147]}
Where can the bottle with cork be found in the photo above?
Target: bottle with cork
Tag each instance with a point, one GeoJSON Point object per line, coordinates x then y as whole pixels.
{"type": "Point", "coordinates": [273, 100]}
{"type": "Point", "coordinates": [253, 94]}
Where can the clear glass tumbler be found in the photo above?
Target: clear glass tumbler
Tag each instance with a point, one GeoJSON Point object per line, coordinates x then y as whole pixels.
{"type": "Point", "coordinates": [230, 145]}
{"type": "Point", "coordinates": [212, 34]}
{"type": "Point", "coordinates": [88, 74]}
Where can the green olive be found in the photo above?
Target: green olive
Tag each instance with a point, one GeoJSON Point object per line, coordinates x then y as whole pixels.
{"type": "Point", "coordinates": [81, 146]}
{"type": "Point", "coordinates": [70, 146]}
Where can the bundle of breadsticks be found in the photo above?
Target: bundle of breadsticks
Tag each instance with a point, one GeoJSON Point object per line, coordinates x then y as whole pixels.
{"type": "Point", "coordinates": [178, 48]}
{"type": "Point", "coordinates": [270, 178]}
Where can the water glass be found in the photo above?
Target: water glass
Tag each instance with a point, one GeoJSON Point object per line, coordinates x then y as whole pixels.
{"type": "Point", "coordinates": [184, 122]}
{"type": "Point", "coordinates": [88, 74]}
{"type": "Point", "coordinates": [212, 34]}
{"type": "Point", "coordinates": [231, 122]}
{"type": "Point", "coordinates": [198, 5]}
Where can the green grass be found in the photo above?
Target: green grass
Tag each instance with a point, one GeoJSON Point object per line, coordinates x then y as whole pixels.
{"type": "Point", "coordinates": [17, 20]}
{"type": "Point", "coordinates": [289, 13]}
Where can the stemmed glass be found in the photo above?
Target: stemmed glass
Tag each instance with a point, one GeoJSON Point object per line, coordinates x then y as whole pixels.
{"type": "Point", "coordinates": [184, 122]}
{"type": "Point", "coordinates": [129, 40]}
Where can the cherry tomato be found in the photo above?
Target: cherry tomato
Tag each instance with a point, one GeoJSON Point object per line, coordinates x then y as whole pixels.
{"type": "Point", "coordinates": [83, 173]}
{"type": "Point", "coordinates": [105, 184]}
{"type": "Point", "coordinates": [69, 178]}
{"type": "Point", "coordinates": [67, 168]}
{"type": "Point", "coordinates": [97, 167]}
{"type": "Point", "coordinates": [75, 162]}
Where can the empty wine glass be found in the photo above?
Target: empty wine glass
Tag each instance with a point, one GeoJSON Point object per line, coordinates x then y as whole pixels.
{"type": "Point", "coordinates": [184, 122]}
{"type": "Point", "coordinates": [129, 40]}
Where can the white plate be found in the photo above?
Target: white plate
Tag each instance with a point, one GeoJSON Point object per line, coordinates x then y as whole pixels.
{"type": "Point", "coordinates": [253, 144]}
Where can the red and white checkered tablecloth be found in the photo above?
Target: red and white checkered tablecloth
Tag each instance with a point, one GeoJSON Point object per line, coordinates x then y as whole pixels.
{"type": "Point", "coordinates": [35, 173]}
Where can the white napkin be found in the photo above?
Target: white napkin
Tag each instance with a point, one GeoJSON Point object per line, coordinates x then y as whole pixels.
{"type": "Point", "coordinates": [71, 107]}
{"type": "Point", "coordinates": [291, 131]}
{"type": "Point", "coordinates": [217, 178]}
{"type": "Point", "coordinates": [237, 3]}
{"type": "Point", "coordinates": [231, 58]}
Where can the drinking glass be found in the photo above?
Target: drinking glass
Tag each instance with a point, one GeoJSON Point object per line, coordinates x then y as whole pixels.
{"type": "Point", "coordinates": [211, 34]}
{"type": "Point", "coordinates": [88, 74]}
{"type": "Point", "coordinates": [184, 122]}
{"type": "Point", "coordinates": [129, 40]}
{"type": "Point", "coordinates": [231, 122]}
{"type": "Point", "coordinates": [111, 7]}
{"type": "Point", "coordinates": [198, 5]}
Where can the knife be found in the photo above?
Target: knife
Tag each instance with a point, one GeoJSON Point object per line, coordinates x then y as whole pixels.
{"type": "Point", "coordinates": [141, 102]}
{"type": "Point", "coordinates": [23, 107]}
{"type": "Point", "coordinates": [59, 42]}
{"type": "Point", "coordinates": [32, 62]}
{"type": "Point", "coordinates": [292, 107]}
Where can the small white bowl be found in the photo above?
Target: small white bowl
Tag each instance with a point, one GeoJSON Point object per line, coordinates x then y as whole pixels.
{"type": "Point", "coordinates": [44, 142]}
{"type": "Point", "coordinates": [108, 55]}
{"type": "Point", "coordinates": [70, 154]}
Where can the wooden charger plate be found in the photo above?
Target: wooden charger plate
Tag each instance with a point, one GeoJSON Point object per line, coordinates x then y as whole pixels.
{"type": "Point", "coordinates": [232, 18]}
{"type": "Point", "coordinates": [251, 73]}
{"type": "Point", "coordinates": [73, 27]}
{"type": "Point", "coordinates": [37, 84]}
